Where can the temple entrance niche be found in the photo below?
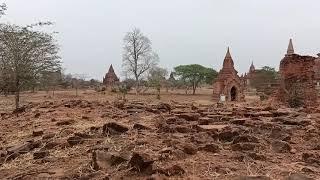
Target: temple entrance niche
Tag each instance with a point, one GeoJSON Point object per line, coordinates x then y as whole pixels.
{"type": "Point", "coordinates": [233, 94]}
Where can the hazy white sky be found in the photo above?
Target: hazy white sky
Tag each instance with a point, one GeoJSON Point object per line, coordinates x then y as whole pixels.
{"type": "Point", "coordinates": [182, 31]}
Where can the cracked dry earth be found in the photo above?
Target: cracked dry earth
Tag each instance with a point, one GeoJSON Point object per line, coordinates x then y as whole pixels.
{"type": "Point", "coordinates": [82, 139]}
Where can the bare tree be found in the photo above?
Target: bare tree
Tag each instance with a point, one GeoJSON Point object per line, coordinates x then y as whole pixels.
{"type": "Point", "coordinates": [3, 8]}
{"type": "Point", "coordinates": [25, 53]}
{"type": "Point", "coordinates": [138, 56]}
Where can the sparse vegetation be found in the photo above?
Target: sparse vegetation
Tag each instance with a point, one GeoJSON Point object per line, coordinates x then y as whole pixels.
{"type": "Point", "coordinates": [157, 79]}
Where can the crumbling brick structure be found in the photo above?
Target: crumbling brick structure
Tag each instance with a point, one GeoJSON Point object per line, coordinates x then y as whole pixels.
{"type": "Point", "coordinates": [110, 78]}
{"type": "Point", "coordinates": [250, 75]}
{"type": "Point", "coordinates": [297, 78]}
{"type": "Point", "coordinates": [228, 83]}
{"type": "Point", "coordinates": [317, 72]}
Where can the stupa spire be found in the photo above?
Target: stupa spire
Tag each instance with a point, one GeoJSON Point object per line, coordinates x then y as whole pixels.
{"type": "Point", "coordinates": [290, 49]}
{"type": "Point", "coordinates": [228, 62]}
{"type": "Point", "coordinates": [252, 68]}
{"type": "Point", "coordinates": [111, 70]}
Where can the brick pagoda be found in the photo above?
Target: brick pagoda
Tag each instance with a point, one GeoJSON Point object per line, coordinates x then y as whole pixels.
{"type": "Point", "coordinates": [228, 83]}
{"type": "Point", "coordinates": [247, 78]}
{"type": "Point", "coordinates": [110, 78]}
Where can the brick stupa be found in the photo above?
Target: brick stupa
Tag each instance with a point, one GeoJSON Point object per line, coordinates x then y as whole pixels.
{"type": "Point", "coordinates": [110, 78]}
{"type": "Point", "coordinates": [250, 75]}
{"type": "Point", "coordinates": [228, 83]}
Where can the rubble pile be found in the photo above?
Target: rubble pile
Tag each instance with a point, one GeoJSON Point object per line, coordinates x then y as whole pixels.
{"type": "Point", "coordinates": [80, 139]}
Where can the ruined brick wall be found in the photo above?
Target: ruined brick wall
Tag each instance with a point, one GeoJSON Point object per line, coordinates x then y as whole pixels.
{"type": "Point", "coordinates": [297, 79]}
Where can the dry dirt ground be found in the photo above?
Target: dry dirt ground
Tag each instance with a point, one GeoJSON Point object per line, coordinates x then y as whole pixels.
{"type": "Point", "coordinates": [96, 136]}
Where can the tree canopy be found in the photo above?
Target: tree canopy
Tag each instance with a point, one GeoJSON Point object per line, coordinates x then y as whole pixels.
{"type": "Point", "coordinates": [194, 74]}
{"type": "Point", "coordinates": [25, 55]}
{"type": "Point", "coordinates": [262, 77]}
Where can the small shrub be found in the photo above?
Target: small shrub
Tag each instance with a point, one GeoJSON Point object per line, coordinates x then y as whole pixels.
{"type": "Point", "coordinates": [114, 90]}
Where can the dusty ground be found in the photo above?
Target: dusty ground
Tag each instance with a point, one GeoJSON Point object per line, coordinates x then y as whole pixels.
{"type": "Point", "coordinates": [94, 136]}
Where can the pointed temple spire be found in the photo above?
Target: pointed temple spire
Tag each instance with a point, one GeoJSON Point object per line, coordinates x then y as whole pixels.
{"type": "Point", "coordinates": [228, 55]}
{"type": "Point", "coordinates": [290, 48]}
{"type": "Point", "coordinates": [228, 62]}
{"type": "Point", "coordinates": [252, 68]}
{"type": "Point", "coordinates": [111, 70]}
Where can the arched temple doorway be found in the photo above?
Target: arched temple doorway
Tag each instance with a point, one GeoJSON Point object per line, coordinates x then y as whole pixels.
{"type": "Point", "coordinates": [233, 93]}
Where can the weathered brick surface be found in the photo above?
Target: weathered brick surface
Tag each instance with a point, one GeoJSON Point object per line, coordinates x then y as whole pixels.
{"type": "Point", "coordinates": [298, 79]}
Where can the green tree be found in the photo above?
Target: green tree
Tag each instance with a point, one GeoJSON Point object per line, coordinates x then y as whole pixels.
{"type": "Point", "coordinates": [194, 74]}
{"type": "Point", "coordinates": [210, 76]}
{"type": "Point", "coordinates": [263, 77]}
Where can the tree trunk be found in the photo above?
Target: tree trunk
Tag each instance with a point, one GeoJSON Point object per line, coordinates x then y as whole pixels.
{"type": "Point", "coordinates": [194, 88]}
{"type": "Point", "coordinates": [17, 94]}
{"type": "Point", "coordinates": [137, 85]}
{"type": "Point", "coordinates": [158, 95]}
{"type": "Point", "coordinates": [17, 98]}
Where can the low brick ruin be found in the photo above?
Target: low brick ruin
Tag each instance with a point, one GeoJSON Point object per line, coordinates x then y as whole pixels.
{"type": "Point", "coordinates": [228, 83]}
{"type": "Point", "coordinates": [298, 79]}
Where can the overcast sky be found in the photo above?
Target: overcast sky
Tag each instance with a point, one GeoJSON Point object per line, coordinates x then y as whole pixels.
{"type": "Point", "coordinates": [182, 31]}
